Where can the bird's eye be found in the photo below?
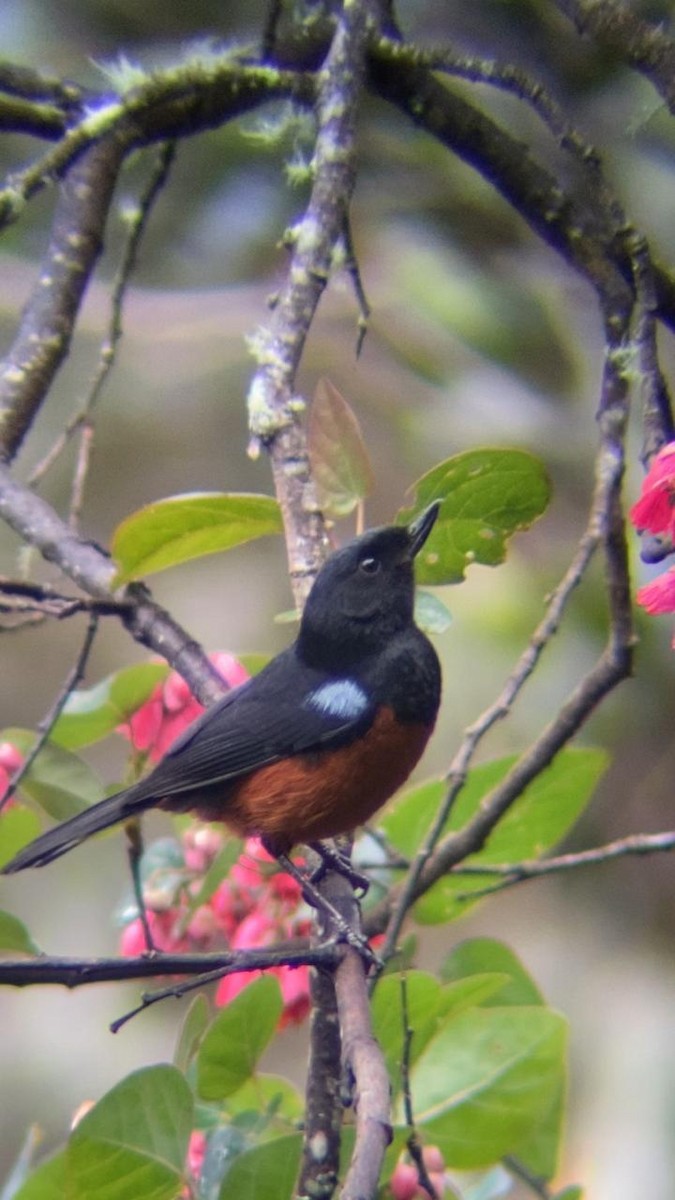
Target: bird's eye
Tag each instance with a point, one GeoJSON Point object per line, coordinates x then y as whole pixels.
{"type": "Point", "coordinates": [370, 566]}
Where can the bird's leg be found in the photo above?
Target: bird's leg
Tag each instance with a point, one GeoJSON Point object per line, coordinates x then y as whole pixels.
{"type": "Point", "coordinates": [333, 860]}
{"type": "Point", "coordinates": [343, 930]}
{"type": "Point", "coordinates": [135, 852]}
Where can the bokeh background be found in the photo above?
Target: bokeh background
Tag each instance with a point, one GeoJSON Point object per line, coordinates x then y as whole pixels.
{"type": "Point", "coordinates": [480, 336]}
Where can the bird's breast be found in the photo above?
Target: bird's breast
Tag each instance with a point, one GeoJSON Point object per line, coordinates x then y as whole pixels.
{"type": "Point", "coordinates": [327, 792]}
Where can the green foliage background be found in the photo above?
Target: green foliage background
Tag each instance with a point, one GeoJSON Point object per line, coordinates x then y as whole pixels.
{"type": "Point", "coordinates": [479, 336]}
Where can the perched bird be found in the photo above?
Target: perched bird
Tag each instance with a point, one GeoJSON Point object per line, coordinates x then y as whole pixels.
{"type": "Point", "coordinates": [323, 736]}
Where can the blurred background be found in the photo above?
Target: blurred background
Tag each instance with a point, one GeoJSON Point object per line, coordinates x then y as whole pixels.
{"type": "Point", "coordinates": [479, 336]}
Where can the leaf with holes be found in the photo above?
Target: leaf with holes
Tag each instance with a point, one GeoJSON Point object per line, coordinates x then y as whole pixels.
{"type": "Point", "coordinates": [487, 495]}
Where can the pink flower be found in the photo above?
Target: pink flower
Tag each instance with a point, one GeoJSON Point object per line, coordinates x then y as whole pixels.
{"type": "Point", "coordinates": [659, 595]}
{"type": "Point", "coordinates": [172, 707]}
{"type": "Point", "coordinates": [10, 761]}
{"type": "Point", "coordinates": [196, 1152]}
{"type": "Point", "coordinates": [163, 927]}
{"type": "Point", "coordinates": [405, 1182]}
{"type": "Point", "coordinates": [655, 509]}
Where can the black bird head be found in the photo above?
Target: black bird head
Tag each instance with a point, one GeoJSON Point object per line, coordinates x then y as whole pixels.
{"type": "Point", "coordinates": [364, 593]}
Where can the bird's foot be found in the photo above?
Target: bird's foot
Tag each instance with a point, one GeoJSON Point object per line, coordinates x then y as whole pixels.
{"type": "Point", "coordinates": [342, 930]}
{"type": "Point", "coordinates": [333, 860]}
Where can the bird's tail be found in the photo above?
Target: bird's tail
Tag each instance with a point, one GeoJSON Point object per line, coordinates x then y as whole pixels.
{"type": "Point", "coordinates": [65, 837]}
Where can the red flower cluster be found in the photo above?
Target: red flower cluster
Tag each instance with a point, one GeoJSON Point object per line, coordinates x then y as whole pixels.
{"type": "Point", "coordinates": [172, 707]}
{"type": "Point", "coordinates": [255, 906]}
{"type": "Point", "coordinates": [10, 761]}
{"type": "Point", "coordinates": [655, 513]}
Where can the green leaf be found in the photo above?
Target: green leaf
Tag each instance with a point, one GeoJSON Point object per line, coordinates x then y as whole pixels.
{"type": "Point", "coordinates": [487, 495]}
{"type": "Point", "coordinates": [428, 1005]}
{"type": "Point", "coordinates": [535, 823]}
{"type": "Point", "coordinates": [268, 1170]}
{"type": "Point", "coordinates": [92, 713]}
{"type": "Point", "coordinates": [179, 528]}
{"type": "Point", "coordinates": [133, 1143]}
{"type": "Point", "coordinates": [237, 1037]}
{"type": "Point", "coordinates": [337, 452]}
{"type": "Point", "coordinates": [267, 1094]}
{"type": "Point", "coordinates": [15, 937]}
{"type": "Point", "coordinates": [18, 827]}
{"type": "Point", "coordinates": [431, 614]}
{"type": "Point", "coordinates": [540, 1151]}
{"type": "Point", "coordinates": [48, 1182]}
{"type": "Point", "coordinates": [195, 1024]}
{"type": "Point", "coordinates": [482, 955]}
{"type": "Point", "coordinates": [60, 782]}
{"type": "Point", "coordinates": [482, 1082]}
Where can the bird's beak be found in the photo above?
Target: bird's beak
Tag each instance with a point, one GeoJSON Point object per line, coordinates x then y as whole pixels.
{"type": "Point", "coordinates": [421, 527]}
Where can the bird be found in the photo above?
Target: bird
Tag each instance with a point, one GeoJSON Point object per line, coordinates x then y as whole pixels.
{"type": "Point", "coordinates": [312, 746]}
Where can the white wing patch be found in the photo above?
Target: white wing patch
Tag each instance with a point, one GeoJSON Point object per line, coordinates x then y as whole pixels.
{"type": "Point", "coordinates": [342, 698]}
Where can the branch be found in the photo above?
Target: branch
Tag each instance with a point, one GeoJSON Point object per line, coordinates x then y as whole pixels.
{"type": "Point", "coordinates": [579, 225]}
{"type": "Point", "coordinates": [80, 972]}
{"type": "Point", "coordinates": [605, 528]}
{"type": "Point", "coordinates": [137, 227]}
{"type": "Point", "coordinates": [48, 722]}
{"type": "Point", "coordinates": [93, 571]}
{"type": "Point", "coordinates": [323, 1109]}
{"type": "Point", "coordinates": [363, 1057]}
{"type": "Point", "coordinates": [274, 409]}
{"type": "Point", "coordinates": [617, 29]}
{"type": "Point", "coordinates": [46, 328]}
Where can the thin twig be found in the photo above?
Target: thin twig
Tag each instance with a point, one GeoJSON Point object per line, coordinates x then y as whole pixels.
{"type": "Point", "coordinates": [637, 844]}
{"type": "Point", "coordinates": [91, 569]}
{"type": "Point", "coordinates": [495, 712]}
{"type": "Point", "coordinates": [45, 726]}
{"type": "Point", "coordinates": [352, 266]}
{"type": "Point", "coordinates": [413, 1140]}
{"type": "Point", "coordinates": [535, 1182]}
{"type": "Point", "coordinates": [657, 413]}
{"type": "Point", "coordinates": [137, 226]}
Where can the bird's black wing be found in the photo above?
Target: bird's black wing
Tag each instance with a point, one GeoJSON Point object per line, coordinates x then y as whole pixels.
{"type": "Point", "coordinates": [288, 709]}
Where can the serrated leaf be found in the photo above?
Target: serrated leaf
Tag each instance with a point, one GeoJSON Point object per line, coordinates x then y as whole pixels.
{"type": "Point", "coordinates": [268, 1170]}
{"type": "Point", "coordinates": [487, 495]}
{"type": "Point", "coordinates": [338, 455]}
{"type": "Point", "coordinates": [92, 713]}
{"type": "Point", "coordinates": [180, 528]}
{"type": "Point", "coordinates": [14, 937]}
{"type": "Point", "coordinates": [482, 1082]}
{"type": "Point", "coordinates": [18, 827]}
{"type": "Point", "coordinates": [60, 782]}
{"type": "Point", "coordinates": [237, 1037]}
